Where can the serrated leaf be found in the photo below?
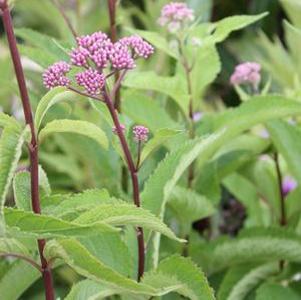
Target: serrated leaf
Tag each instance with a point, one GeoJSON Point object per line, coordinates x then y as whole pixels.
{"type": "Point", "coordinates": [240, 281]}
{"type": "Point", "coordinates": [259, 245]}
{"type": "Point", "coordinates": [160, 137]}
{"type": "Point", "coordinates": [77, 257]}
{"type": "Point", "coordinates": [227, 25]}
{"type": "Point", "coordinates": [6, 120]}
{"type": "Point", "coordinates": [11, 142]}
{"type": "Point", "coordinates": [53, 97]}
{"type": "Point", "coordinates": [189, 206]}
{"type": "Point", "coordinates": [181, 270]}
{"type": "Point", "coordinates": [125, 214]}
{"type": "Point", "coordinates": [43, 226]}
{"type": "Point", "coordinates": [89, 290]}
{"type": "Point", "coordinates": [76, 126]}
{"type": "Point", "coordinates": [22, 188]}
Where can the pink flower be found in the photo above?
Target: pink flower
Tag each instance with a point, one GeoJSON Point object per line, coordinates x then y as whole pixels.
{"type": "Point", "coordinates": [288, 185]}
{"type": "Point", "coordinates": [175, 16]}
{"type": "Point", "coordinates": [248, 72]}
{"type": "Point", "coordinates": [114, 129]}
{"type": "Point", "coordinates": [140, 133]}
{"type": "Point", "coordinates": [121, 57]}
{"type": "Point", "coordinates": [55, 75]}
{"type": "Point", "coordinates": [91, 80]}
{"type": "Point", "coordinates": [140, 47]}
{"type": "Point", "coordinates": [79, 57]}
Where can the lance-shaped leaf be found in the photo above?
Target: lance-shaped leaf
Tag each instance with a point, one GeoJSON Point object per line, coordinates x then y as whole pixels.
{"type": "Point", "coordinates": [43, 226]}
{"type": "Point", "coordinates": [126, 214]}
{"type": "Point", "coordinates": [182, 271]}
{"type": "Point", "coordinates": [11, 143]}
{"type": "Point", "coordinates": [53, 97]}
{"type": "Point", "coordinates": [75, 126]}
{"type": "Point", "coordinates": [78, 258]}
{"type": "Point", "coordinates": [9, 245]}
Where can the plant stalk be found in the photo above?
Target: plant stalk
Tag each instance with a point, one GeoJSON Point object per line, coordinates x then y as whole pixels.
{"type": "Point", "coordinates": [33, 146]}
{"type": "Point", "coordinates": [134, 177]}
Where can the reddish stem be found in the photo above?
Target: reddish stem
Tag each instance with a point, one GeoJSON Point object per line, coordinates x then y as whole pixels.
{"type": "Point", "coordinates": [33, 146]}
{"type": "Point", "coordinates": [20, 256]}
{"type": "Point", "coordinates": [134, 176]}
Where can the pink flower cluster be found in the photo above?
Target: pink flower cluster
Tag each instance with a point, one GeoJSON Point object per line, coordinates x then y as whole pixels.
{"type": "Point", "coordinates": [94, 53]}
{"type": "Point", "coordinates": [140, 133]}
{"type": "Point", "coordinates": [288, 184]}
{"type": "Point", "coordinates": [55, 75]}
{"type": "Point", "coordinates": [175, 16]}
{"type": "Point", "coordinates": [246, 73]}
{"type": "Point", "coordinates": [114, 129]}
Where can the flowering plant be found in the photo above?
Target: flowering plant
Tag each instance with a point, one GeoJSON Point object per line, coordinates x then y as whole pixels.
{"type": "Point", "coordinates": [122, 173]}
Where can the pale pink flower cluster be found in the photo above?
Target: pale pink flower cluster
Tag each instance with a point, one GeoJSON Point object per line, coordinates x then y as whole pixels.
{"type": "Point", "coordinates": [140, 133]}
{"type": "Point", "coordinates": [114, 129]}
{"type": "Point", "coordinates": [246, 73]}
{"type": "Point", "coordinates": [94, 53]}
{"type": "Point", "coordinates": [91, 80]}
{"type": "Point", "coordinates": [56, 75]}
{"type": "Point", "coordinates": [288, 184]}
{"type": "Point", "coordinates": [175, 15]}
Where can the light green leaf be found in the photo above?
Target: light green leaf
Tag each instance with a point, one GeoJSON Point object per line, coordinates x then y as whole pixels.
{"type": "Point", "coordinates": [78, 258]}
{"type": "Point", "coordinates": [89, 290]}
{"type": "Point", "coordinates": [43, 226]}
{"type": "Point", "coordinates": [76, 126]}
{"type": "Point", "coordinates": [6, 120]}
{"type": "Point", "coordinates": [160, 137]}
{"type": "Point", "coordinates": [11, 142]}
{"type": "Point", "coordinates": [240, 281]}
{"type": "Point", "coordinates": [53, 97]}
{"type": "Point", "coordinates": [9, 245]}
{"type": "Point", "coordinates": [189, 206]}
{"type": "Point", "coordinates": [274, 291]}
{"type": "Point", "coordinates": [287, 139]}
{"type": "Point", "coordinates": [125, 214]}
{"type": "Point", "coordinates": [260, 245]}
{"type": "Point", "coordinates": [175, 87]}
{"type": "Point", "coordinates": [181, 270]}
{"type": "Point", "coordinates": [224, 27]}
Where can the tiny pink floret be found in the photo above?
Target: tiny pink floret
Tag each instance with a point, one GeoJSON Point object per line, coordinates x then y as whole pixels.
{"type": "Point", "coordinates": [55, 75]}
{"type": "Point", "coordinates": [140, 133]}
{"type": "Point", "coordinates": [248, 72]}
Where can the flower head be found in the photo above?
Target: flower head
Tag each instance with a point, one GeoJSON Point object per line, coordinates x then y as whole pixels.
{"type": "Point", "coordinates": [91, 80]}
{"type": "Point", "coordinates": [139, 46]}
{"type": "Point", "coordinates": [140, 133]}
{"type": "Point", "coordinates": [288, 185]}
{"type": "Point", "coordinates": [248, 72]}
{"type": "Point", "coordinates": [175, 16]}
{"type": "Point", "coordinates": [55, 75]}
{"type": "Point", "coordinates": [114, 129]}
{"type": "Point", "coordinates": [121, 57]}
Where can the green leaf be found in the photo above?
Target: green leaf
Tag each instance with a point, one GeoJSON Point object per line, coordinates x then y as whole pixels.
{"type": "Point", "coordinates": [53, 97]}
{"type": "Point", "coordinates": [78, 258]}
{"type": "Point", "coordinates": [286, 138]}
{"type": "Point", "coordinates": [75, 126]}
{"type": "Point", "coordinates": [9, 245]}
{"type": "Point", "coordinates": [20, 276]}
{"type": "Point", "coordinates": [274, 291]}
{"type": "Point", "coordinates": [6, 120]}
{"type": "Point", "coordinates": [175, 87]}
{"type": "Point", "coordinates": [157, 40]}
{"type": "Point", "coordinates": [189, 206]}
{"type": "Point", "coordinates": [144, 110]}
{"type": "Point", "coordinates": [89, 290]}
{"type": "Point", "coordinates": [224, 27]}
{"type": "Point", "coordinates": [293, 9]}
{"type": "Point", "coordinates": [254, 246]}
{"type": "Point", "coordinates": [160, 137]}
{"type": "Point", "coordinates": [46, 43]}
{"type": "Point", "coordinates": [125, 214]}
{"type": "Point", "coordinates": [74, 204]}
{"type": "Point", "coordinates": [22, 188]}
{"type": "Point", "coordinates": [183, 271]}
{"type": "Point", "coordinates": [42, 226]}
{"type": "Point", "coordinates": [241, 280]}
{"type": "Point", "coordinates": [11, 143]}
